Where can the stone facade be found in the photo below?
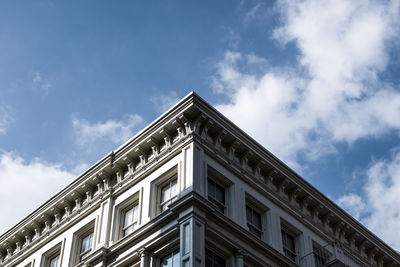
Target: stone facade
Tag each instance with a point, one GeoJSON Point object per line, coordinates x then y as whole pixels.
{"type": "Point", "coordinates": [191, 189]}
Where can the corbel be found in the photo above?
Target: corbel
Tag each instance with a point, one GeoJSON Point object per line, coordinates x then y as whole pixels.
{"type": "Point", "coordinates": [188, 125]}
{"type": "Point", "coordinates": [258, 166]}
{"type": "Point", "coordinates": [104, 177]}
{"type": "Point", "coordinates": [244, 159]}
{"type": "Point", "coordinates": [305, 202]}
{"type": "Point", "coordinates": [27, 237]}
{"type": "Point", "coordinates": [130, 163]}
{"type": "Point", "coordinates": [18, 240]}
{"type": "Point", "coordinates": [280, 186]}
{"type": "Point", "coordinates": [218, 138]}
{"type": "Point", "coordinates": [179, 127]}
{"type": "Point", "coordinates": [294, 194]}
{"type": "Point", "coordinates": [207, 125]}
{"type": "Point", "coordinates": [36, 228]}
{"type": "Point", "coordinates": [232, 149]}
{"type": "Point", "coordinates": [270, 177]}
{"type": "Point", "coordinates": [198, 123]}
{"type": "Point", "coordinates": [56, 213]}
{"type": "Point", "coordinates": [142, 155]}
{"type": "Point", "coordinates": [152, 142]}
{"type": "Point", "coordinates": [67, 207]}
{"type": "Point", "coordinates": [47, 222]}
{"type": "Point", "coordinates": [78, 200]}
{"type": "Point", "coordinates": [167, 138]}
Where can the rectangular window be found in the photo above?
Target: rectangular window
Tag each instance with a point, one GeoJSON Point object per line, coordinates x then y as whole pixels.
{"type": "Point", "coordinates": [254, 221]}
{"type": "Point", "coordinates": [86, 244]}
{"type": "Point", "coordinates": [171, 260]}
{"type": "Point", "coordinates": [216, 194]}
{"type": "Point", "coordinates": [289, 248]}
{"type": "Point", "coordinates": [130, 219]}
{"type": "Point", "coordinates": [54, 261]}
{"type": "Point", "coordinates": [319, 261]}
{"type": "Point", "coordinates": [168, 193]}
{"type": "Point", "coordinates": [213, 260]}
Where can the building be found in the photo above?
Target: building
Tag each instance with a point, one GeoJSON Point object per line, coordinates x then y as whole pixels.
{"type": "Point", "coordinates": [191, 189]}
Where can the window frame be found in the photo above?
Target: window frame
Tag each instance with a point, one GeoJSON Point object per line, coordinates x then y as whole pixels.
{"type": "Point", "coordinates": [214, 254]}
{"type": "Point", "coordinates": [48, 256]}
{"type": "Point", "coordinates": [81, 256]}
{"type": "Point", "coordinates": [221, 180]}
{"type": "Point", "coordinates": [162, 204]}
{"type": "Point", "coordinates": [135, 223]}
{"type": "Point", "coordinates": [157, 184]}
{"type": "Point", "coordinates": [221, 207]}
{"type": "Point", "coordinates": [77, 256]}
{"type": "Point", "coordinates": [260, 231]}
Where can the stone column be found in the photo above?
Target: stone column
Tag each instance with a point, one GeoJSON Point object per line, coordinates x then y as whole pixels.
{"type": "Point", "coordinates": [143, 257]}
{"type": "Point", "coordinates": [239, 258]}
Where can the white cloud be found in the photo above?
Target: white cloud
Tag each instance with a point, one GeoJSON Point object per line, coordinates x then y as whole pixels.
{"type": "Point", "coordinates": [117, 132]}
{"type": "Point", "coordinates": [41, 83]}
{"type": "Point", "coordinates": [27, 185]}
{"type": "Point", "coordinates": [163, 102]}
{"type": "Point", "coordinates": [380, 208]}
{"type": "Point", "coordinates": [332, 95]}
{"type": "Point", "coordinates": [353, 203]}
{"type": "Point", "coordinates": [5, 118]}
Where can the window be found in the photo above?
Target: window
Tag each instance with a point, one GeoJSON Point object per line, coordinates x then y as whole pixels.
{"type": "Point", "coordinates": [289, 248]}
{"type": "Point", "coordinates": [52, 257]}
{"type": "Point", "coordinates": [171, 260]}
{"type": "Point", "coordinates": [86, 244]}
{"type": "Point", "coordinates": [319, 260]}
{"type": "Point", "coordinates": [216, 194]}
{"type": "Point", "coordinates": [213, 260]}
{"type": "Point", "coordinates": [254, 221]}
{"type": "Point", "coordinates": [130, 219]}
{"type": "Point", "coordinates": [54, 261]}
{"type": "Point", "coordinates": [168, 193]}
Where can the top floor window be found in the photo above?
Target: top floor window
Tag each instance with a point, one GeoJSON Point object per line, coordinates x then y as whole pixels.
{"type": "Point", "coordinates": [289, 247]}
{"type": "Point", "coordinates": [168, 193]}
{"type": "Point", "coordinates": [216, 194]}
{"type": "Point", "coordinates": [254, 221]}
{"type": "Point", "coordinates": [54, 261]}
{"type": "Point", "coordinates": [130, 219]}
{"type": "Point", "coordinates": [86, 244]}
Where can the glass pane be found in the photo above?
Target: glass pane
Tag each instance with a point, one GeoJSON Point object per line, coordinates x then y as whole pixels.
{"type": "Point", "coordinates": [248, 214]}
{"type": "Point", "coordinates": [128, 230]}
{"type": "Point", "coordinates": [87, 242]}
{"type": "Point", "coordinates": [211, 187]}
{"type": "Point", "coordinates": [128, 217]}
{"type": "Point", "coordinates": [257, 220]}
{"type": "Point", "coordinates": [174, 185]}
{"type": "Point", "coordinates": [220, 194]}
{"type": "Point", "coordinates": [165, 193]}
{"type": "Point", "coordinates": [54, 261]}
{"type": "Point", "coordinates": [135, 213]}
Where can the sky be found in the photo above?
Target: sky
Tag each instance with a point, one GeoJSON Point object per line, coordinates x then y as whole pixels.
{"type": "Point", "coordinates": [315, 82]}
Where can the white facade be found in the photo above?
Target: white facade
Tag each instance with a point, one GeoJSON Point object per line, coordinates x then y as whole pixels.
{"type": "Point", "coordinates": [191, 189]}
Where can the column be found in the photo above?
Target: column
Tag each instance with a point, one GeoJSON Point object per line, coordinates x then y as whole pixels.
{"type": "Point", "coordinates": [192, 242]}
{"type": "Point", "coordinates": [239, 258]}
{"type": "Point", "coordinates": [143, 253]}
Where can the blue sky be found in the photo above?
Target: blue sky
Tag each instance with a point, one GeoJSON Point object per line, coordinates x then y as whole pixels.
{"type": "Point", "coordinates": [316, 84]}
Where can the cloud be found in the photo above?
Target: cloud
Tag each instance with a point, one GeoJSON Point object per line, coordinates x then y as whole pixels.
{"type": "Point", "coordinates": [378, 205]}
{"type": "Point", "coordinates": [29, 184]}
{"type": "Point", "coordinates": [113, 131]}
{"type": "Point", "coordinates": [6, 118]}
{"type": "Point", "coordinates": [332, 94]}
{"type": "Point", "coordinates": [353, 203]}
{"type": "Point", "coordinates": [41, 83]}
{"type": "Point", "coordinates": [163, 102]}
